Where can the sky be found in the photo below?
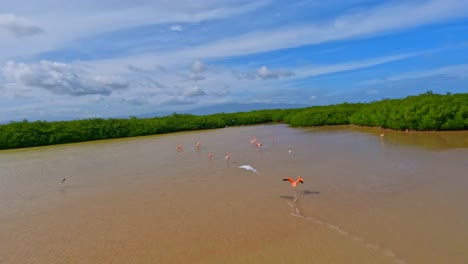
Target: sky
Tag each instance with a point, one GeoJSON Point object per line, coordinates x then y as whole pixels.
{"type": "Point", "coordinates": [62, 59]}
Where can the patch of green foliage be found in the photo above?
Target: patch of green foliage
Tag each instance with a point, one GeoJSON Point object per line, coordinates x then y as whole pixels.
{"type": "Point", "coordinates": [427, 111]}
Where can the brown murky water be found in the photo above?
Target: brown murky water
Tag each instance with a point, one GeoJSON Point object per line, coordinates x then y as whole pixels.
{"type": "Point", "coordinates": [400, 198]}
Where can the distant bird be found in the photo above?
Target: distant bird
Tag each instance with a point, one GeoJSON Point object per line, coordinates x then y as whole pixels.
{"type": "Point", "coordinates": [253, 140]}
{"type": "Point", "coordinates": [228, 156]}
{"type": "Point", "coordinates": [290, 151]}
{"type": "Point", "coordinates": [198, 144]}
{"type": "Point", "coordinates": [294, 183]}
{"type": "Point", "coordinates": [383, 134]}
{"type": "Point", "coordinates": [179, 147]}
{"type": "Point", "coordinates": [249, 168]}
{"type": "Point", "coordinates": [62, 181]}
{"type": "Point", "coordinates": [259, 144]}
{"type": "Point", "coordinates": [210, 155]}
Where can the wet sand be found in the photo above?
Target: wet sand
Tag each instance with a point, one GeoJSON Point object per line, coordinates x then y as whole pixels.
{"type": "Point", "coordinates": [400, 198]}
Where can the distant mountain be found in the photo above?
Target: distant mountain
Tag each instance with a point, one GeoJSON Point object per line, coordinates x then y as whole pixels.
{"type": "Point", "coordinates": [225, 108]}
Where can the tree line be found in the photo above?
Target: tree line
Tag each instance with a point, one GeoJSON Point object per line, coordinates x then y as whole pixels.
{"type": "Point", "coordinates": [426, 111]}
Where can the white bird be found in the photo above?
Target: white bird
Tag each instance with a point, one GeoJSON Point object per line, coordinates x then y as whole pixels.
{"type": "Point", "coordinates": [249, 168]}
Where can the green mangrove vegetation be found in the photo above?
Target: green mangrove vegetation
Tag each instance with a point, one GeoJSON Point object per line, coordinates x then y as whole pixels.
{"type": "Point", "coordinates": [427, 111]}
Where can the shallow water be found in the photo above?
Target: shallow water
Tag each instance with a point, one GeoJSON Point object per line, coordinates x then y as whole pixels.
{"type": "Point", "coordinates": [400, 198]}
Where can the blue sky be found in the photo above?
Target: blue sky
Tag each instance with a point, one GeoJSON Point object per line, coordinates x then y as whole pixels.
{"type": "Point", "coordinates": [62, 59]}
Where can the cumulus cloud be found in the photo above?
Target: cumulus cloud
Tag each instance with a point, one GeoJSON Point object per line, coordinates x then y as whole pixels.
{"type": "Point", "coordinates": [265, 73]}
{"type": "Point", "coordinates": [194, 91]}
{"type": "Point", "coordinates": [61, 78]}
{"type": "Point", "coordinates": [198, 66]}
{"type": "Point", "coordinates": [17, 26]}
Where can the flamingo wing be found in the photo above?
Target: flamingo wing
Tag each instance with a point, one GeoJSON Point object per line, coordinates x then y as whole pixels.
{"type": "Point", "coordinates": [288, 179]}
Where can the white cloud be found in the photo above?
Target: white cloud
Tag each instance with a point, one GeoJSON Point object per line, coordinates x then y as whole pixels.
{"type": "Point", "coordinates": [453, 71]}
{"type": "Point", "coordinates": [265, 73]}
{"type": "Point", "coordinates": [176, 28]}
{"type": "Point", "coordinates": [353, 65]}
{"type": "Point", "coordinates": [359, 24]}
{"type": "Point", "coordinates": [17, 26]}
{"type": "Point", "coordinates": [65, 21]}
{"type": "Point", "coordinates": [198, 66]}
{"type": "Point", "coordinates": [61, 78]}
{"type": "Point", "coordinates": [194, 91]}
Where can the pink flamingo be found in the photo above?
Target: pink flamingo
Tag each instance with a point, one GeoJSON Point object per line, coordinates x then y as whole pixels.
{"type": "Point", "coordinates": [294, 182]}
{"type": "Point", "coordinates": [259, 144]}
{"type": "Point", "coordinates": [198, 144]}
{"type": "Point", "coordinates": [228, 156]}
{"type": "Point", "coordinates": [179, 147]}
{"type": "Point", "coordinates": [210, 155]}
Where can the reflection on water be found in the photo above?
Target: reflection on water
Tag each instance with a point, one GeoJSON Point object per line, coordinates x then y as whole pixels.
{"type": "Point", "coordinates": [365, 198]}
{"type": "Point", "coordinates": [430, 139]}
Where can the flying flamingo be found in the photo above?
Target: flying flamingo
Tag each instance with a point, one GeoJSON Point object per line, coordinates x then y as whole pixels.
{"type": "Point", "coordinates": [228, 156]}
{"type": "Point", "coordinates": [294, 183]}
{"type": "Point", "coordinates": [253, 140]}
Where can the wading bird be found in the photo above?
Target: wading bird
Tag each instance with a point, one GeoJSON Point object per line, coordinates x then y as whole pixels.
{"type": "Point", "coordinates": [210, 155]}
{"type": "Point", "coordinates": [249, 168]}
{"type": "Point", "coordinates": [62, 181]}
{"type": "Point", "coordinates": [179, 147]}
{"type": "Point", "coordinates": [228, 156]}
{"type": "Point", "coordinates": [294, 183]}
{"type": "Point", "coordinates": [198, 144]}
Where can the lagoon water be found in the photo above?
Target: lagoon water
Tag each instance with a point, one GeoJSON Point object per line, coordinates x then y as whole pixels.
{"type": "Point", "coordinates": [400, 198]}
